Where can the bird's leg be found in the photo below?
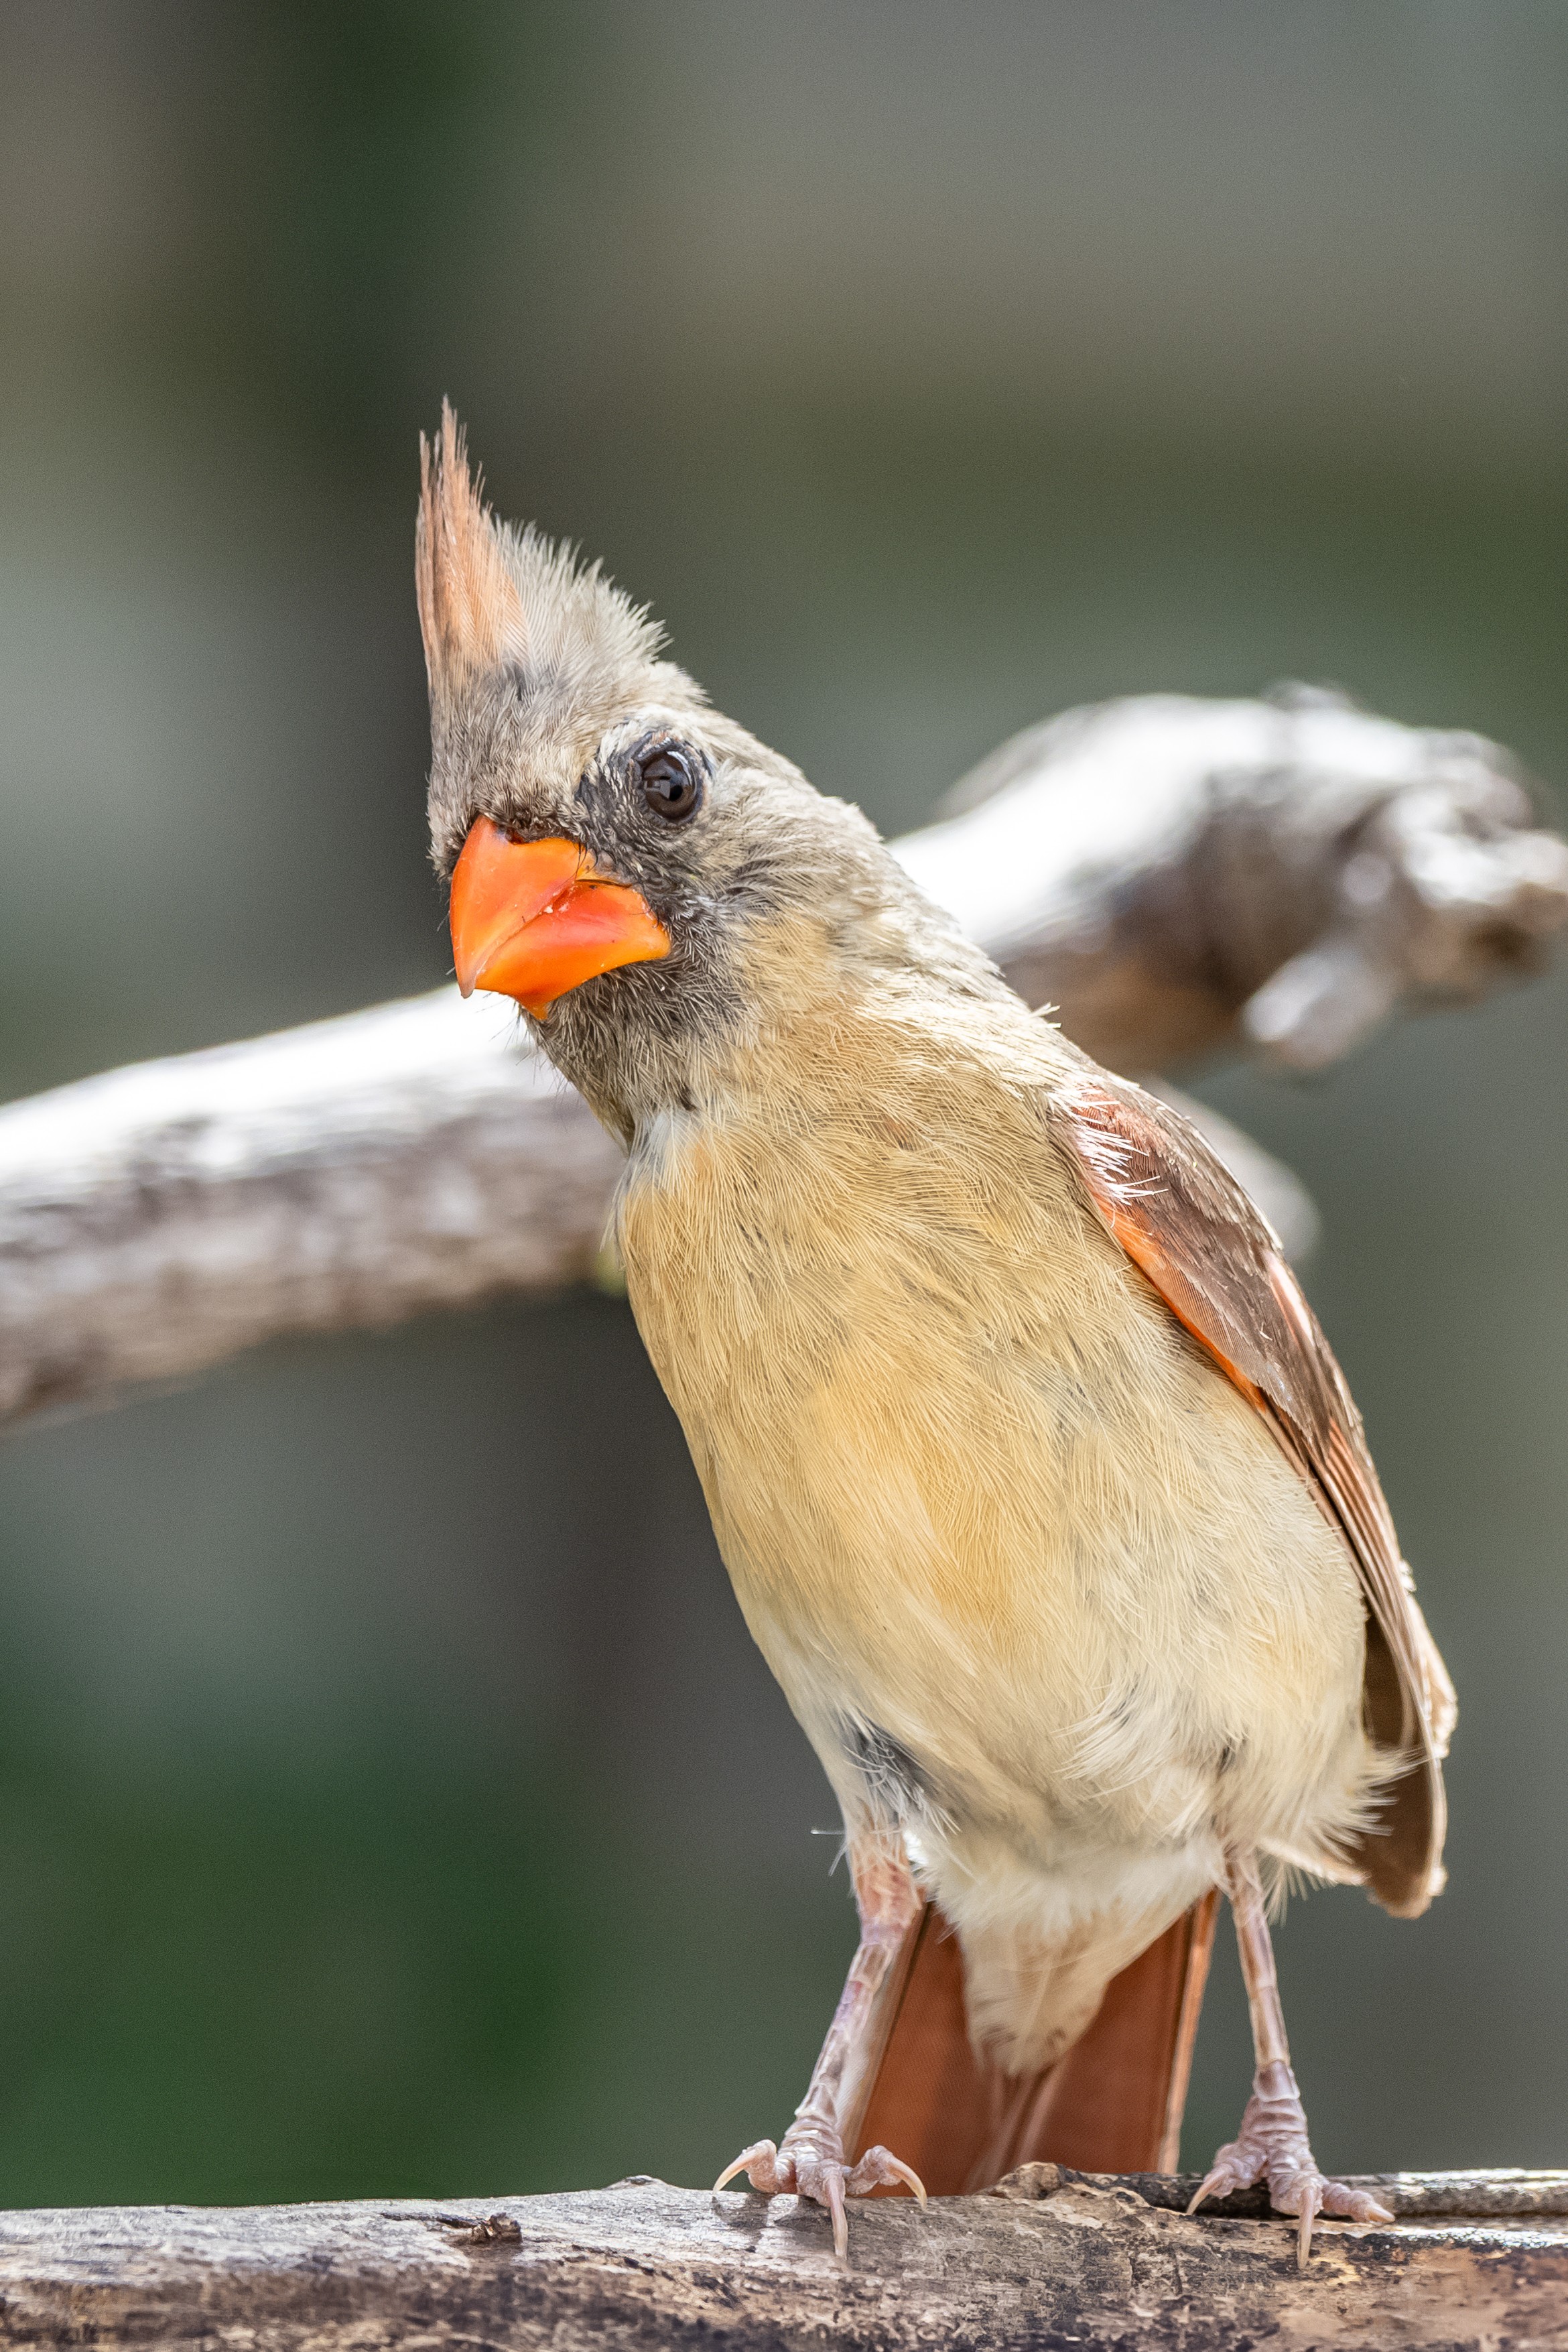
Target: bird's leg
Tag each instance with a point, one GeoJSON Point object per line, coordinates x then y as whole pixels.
{"type": "Point", "coordinates": [1273, 2143]}
{"type": "Point", "coordinates": [810, 2160]}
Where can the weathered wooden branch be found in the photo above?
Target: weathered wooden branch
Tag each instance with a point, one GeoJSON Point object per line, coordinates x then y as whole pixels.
{"type": "Point", "coordinates": [1048, 2261]}
{"type": "Point", "coordinates": [1184, 876]}
{"type": "Point", "coordinates": [159, 1218]}
{"type": "Point", "coordinates": [1178, 877]}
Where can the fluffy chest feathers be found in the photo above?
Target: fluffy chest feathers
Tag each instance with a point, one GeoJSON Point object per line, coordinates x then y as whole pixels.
{"type": "Point", "coordinates": [975, 1486]}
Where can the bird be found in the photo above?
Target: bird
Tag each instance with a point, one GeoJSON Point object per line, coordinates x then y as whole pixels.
{"type": "Point", "coordinates": [1038, 1483]}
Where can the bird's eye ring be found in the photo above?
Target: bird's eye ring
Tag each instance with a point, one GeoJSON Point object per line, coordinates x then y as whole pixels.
{"type": "Point", "coordinates": [671, 779]}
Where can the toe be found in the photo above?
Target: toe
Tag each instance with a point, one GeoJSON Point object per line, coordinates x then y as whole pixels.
{"type": "Point", "coordinates": [1305, 2192]}
{"type": "Point", "coordinates": [1236, 2166]}
{"type": "Point", "coordinates": [880, 2168]}
{"type": "Point", "coordinates": [1353, 2204]}
{"type": "Point", "coordinates": [762, 2166]}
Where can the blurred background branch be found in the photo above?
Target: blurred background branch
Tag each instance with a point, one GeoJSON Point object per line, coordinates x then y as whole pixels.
{"type": "Point", "coordinates": [1176, 877]}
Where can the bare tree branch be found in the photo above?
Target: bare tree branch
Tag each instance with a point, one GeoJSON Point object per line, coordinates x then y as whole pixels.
{"type": "Point", "coordinates": [159, 1218]}
{"type": "Point", "coordinates": [1066, 2260]}
{"type": "Point", "coordinates": [1177, 877]}
{"type": "Point", "coordinates": [1182, 877]}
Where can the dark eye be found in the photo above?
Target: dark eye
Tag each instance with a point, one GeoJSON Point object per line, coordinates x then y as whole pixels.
{"type": "Point", "coordinates": [671, 782]}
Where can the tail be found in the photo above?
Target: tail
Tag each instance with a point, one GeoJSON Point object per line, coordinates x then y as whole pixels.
{"type": "Point", "coordinates": [1111, 2103]}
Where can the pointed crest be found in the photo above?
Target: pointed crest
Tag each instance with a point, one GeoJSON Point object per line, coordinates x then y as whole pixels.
{"type": "Point", "coordinates": [469, 610]}
{"type": "Point", "coordinates": [493, 598]}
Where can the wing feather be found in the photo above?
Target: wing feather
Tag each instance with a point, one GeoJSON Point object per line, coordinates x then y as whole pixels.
{"type": "Point", "coordinates": [1185, 1222]}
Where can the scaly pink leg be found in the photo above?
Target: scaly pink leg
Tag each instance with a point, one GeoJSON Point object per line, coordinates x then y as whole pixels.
{"type": "Point", "coordinates": [1273, 2143]}
{"type": "Point", "coordinates": [810, 2162]}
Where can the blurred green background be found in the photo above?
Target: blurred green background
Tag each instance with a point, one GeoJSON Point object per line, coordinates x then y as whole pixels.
{"type": "Point", "coordinates": [390, 1798]}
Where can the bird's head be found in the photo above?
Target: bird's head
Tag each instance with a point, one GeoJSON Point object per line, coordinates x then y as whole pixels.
{"type": "Point", "coordinates": [644, 877]}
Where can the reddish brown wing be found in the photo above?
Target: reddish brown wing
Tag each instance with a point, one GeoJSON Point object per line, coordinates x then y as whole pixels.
{"type": "Point", "coordinates": [1183, 1219]}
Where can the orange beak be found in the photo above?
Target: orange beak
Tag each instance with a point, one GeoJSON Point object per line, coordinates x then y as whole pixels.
{"type": "Point", "coordinates": [532, 919]}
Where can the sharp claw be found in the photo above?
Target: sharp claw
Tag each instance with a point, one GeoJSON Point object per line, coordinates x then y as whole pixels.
{"type": "Point", "coordinates": [834, 2186]}
{"type": "Point", "coordinates": [747, 2157]}
{"type": "Point", "coordinates": [1353, 2204]}
{"type": "Point", "coordinates": [1311, 2196]}
{"type": "Point", "coordinates": [910, 2178]}
{"type": "Point", "coordinates": [1206, 2188]}
{"type": "Point", "coordinates": [879, 2166]}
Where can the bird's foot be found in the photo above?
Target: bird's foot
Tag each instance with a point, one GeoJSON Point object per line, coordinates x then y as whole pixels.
{"type": "Point", "coordinates": [1272, 2146]}
{"type": "Point", "coordinates": [811, 2164]}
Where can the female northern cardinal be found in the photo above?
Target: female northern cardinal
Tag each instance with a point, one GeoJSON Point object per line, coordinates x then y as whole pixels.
{"type": "Point", "coordinates": [1040, 1487]}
